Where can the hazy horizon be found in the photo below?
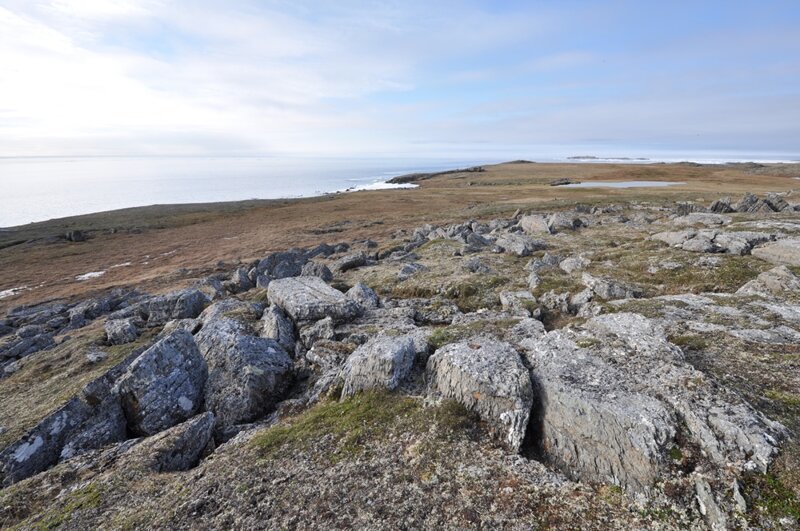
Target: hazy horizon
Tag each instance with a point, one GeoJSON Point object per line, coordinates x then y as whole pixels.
{"type": "Point", "coordinates": [411, 79]}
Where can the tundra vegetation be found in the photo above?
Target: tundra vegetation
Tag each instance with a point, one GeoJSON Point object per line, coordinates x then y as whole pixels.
{"type": "Point", "coordinates": [487, 350]}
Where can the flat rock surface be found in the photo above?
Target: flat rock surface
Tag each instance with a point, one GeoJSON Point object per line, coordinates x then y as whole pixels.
{"type": "Point", "coordinates": [782, 252]}
{"type": "Point", "coordinates": [310, 299]}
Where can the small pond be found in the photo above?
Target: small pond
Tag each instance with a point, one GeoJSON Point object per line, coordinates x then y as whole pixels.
{"type": "Point", "coordinates": [621, 184]}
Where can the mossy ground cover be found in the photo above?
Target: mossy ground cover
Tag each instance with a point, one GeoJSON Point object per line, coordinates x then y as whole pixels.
{"type": "Point", "coordinates": [349, 425]}
{"type": "Point", "coordinates": [47, 379]}
{"type": "Point", "coordinates": [458, 332]}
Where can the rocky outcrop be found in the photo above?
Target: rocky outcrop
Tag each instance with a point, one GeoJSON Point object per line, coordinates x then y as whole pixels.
{"type": "Point", "coordinates": [488, 377]}
{"type": "Point", "coordinates": [617, 396]}
{"type": "Point", "coordinates": [247, 375]}
{"type": "Point", "coordinates": [519, 244]}
{"type": "Point", "coordinates": [775, 282]}
{"type": "Point", "coordinates": [89, 420]}
{"type": "Point", "coordinates": [310, 299]}
{"type": "Point", "coordinates": [609, 289]}
{"type": "Point", "coordinates": [383, 362]}
{"type": "Point", "coordinates": [121, 331]}
{"type": "Point", "coordinates": [178, 448]}
{"type": "Point", "coordinates": [275, 325]}
{"type": "Point", "coordinates": [183, 304]}
{"type": "Point", "coordinates": [712, 241]}
{"type": "Point", "coordinates": [348, 262]}
{"type": "Point", "coordinates": [164, 385]}
{"type": "Point", "coordinates": [363, 295]}
{"type": "Point", "coordinates": [781, 252]}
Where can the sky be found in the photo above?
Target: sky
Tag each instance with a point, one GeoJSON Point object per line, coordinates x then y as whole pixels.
{"type": "Point", "coordinates": [400, 78]}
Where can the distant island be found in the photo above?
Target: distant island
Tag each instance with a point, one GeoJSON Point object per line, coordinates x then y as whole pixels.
{"type": "Point", "coordinates": [593, 157]}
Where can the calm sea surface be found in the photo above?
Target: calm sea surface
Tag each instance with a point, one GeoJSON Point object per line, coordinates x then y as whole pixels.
{"type": "Point", "coordinates": [42, 188]}
{"type": "Point", "coordinates": [37, 189]}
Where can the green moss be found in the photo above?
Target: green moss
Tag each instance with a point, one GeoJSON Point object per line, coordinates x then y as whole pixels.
{"type": "Point", "coordinates": [351, 422]}
{"type": "Point", "coordinates": [244, 314]}
{"type": "Point", "coordinates": [788, 399]}
{"type": "Point", "coordinates": [689, 342]}
{"type": "Point", "coordinates": [767, 493]}
{"type": "Point", "coordinates": [675, 454]}
{"type": "Point", "coordinates": [477, 292]}
{"type": "Point", "coordinates": [413, 291]}
{"type": "Point", "coordinates": [258, 295]}
{"type": "Point", "coordinates": [454, 333]}
{"type": "Point", "coordinates": [588, 342]}
{"type": "Point", "coordinates": [557, 280]}
{"type": "Point", "coordinates": [730, 275]}
{"type": "Point", "coordinates": [88, 497]}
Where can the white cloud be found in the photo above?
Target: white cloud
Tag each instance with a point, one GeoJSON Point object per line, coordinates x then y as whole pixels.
{"type": "Point", "coordinates": [159, 76]}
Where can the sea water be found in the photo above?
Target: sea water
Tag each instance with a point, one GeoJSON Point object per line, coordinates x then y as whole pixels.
{"type": "Point", "coordinates": [42, 188]}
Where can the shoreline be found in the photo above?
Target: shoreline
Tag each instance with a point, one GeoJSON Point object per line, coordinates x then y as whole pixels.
{"type": "Point", "coordinates": [167, 245]}
{"type": "Point", "coordinates": [408, 181]}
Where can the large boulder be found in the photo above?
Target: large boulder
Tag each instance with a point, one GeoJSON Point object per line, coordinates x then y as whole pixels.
{"type": "Point", "coordinates": [488, 377]}
{"type": "Point", "coordinates": [574, 263]}
{"type": "Point", "coordinates": [89, 420]}
{"type": "Point", "coordinates": [589, 426]}
{"type": "Point", "coordinates": [702, 218]}
{"type": "Point", "coordinates": [616, 399]}
{"type": "Point", "coordinates": [121, 331]}
{"type": "Point", "coordinates": [534, 224]}
{"type": "Point", "coordinates": [183, 304]}
{"type": "Point", "coordinates": [609, 289]}
{"type": "Point", "coordinates": [275, 325]}
{"type": "Point", "coordinates": [348, 262]}
{"type": "Point", "coordinates": [363, 295]}
{"type": "Point", "coordinates": [519, 244]}
{"type": "Point", "coordinates": [559, 221]}
{"type": "Point", "coordinates": [674, 238]}
{"type": "Point", "coordinates": [777, 281]}
{"type": "Point", "coordinates": [781, 252]}
{"type": "Point", "coordinates": [311, 299]}
{"type": "Point", "coordinates": [247, 375]}
{"type": "Point", "coordinates": [282, 264]}
{"type": "Point", "coordinates": [383, 362]}
{"type": "Point", "coordinates": [740, 242]}
{"type": "Point", "coordinates": [315, 269]}
{"type": "Point", "coordinates": [240, 281]}
{"type": "Point", "coordinates": [164, 385]}
{"type": "Point", "coordinates": [518, 303]}
{"type": "Point", "coordinates": [178, 448]}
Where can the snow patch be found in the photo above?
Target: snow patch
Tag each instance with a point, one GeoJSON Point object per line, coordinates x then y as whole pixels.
{"type": "Point", "coordinates": [11, 292]}
{"type": "Point", "coordinates": [90, 275]}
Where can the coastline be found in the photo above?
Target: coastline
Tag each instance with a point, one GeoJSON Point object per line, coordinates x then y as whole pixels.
{"type": "Point", "coordinates": [159, 181]}
{"type": "Point", "coordinates": [169, 245]}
